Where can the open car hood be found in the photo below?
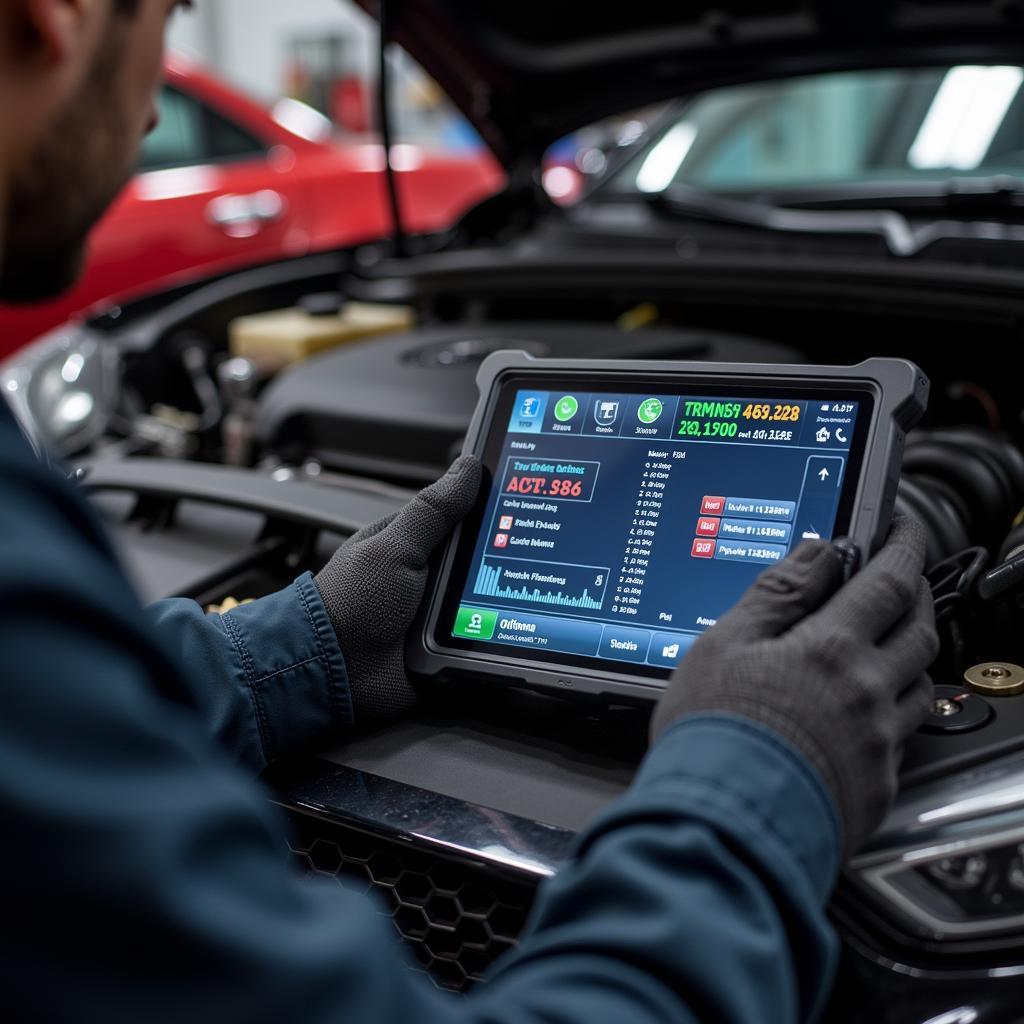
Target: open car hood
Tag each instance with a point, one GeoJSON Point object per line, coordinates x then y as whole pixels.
{"type": "Point", "coordinates": [528, 72]}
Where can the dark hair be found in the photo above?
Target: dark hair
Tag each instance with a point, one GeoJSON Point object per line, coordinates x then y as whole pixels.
{"type": "Point", "coordinates": [126, 6]}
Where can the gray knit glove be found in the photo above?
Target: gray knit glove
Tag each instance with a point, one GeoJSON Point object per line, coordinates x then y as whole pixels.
{"type": "Point", "coordinates": [373, 586]}
{"type": "Point", "coordinates": [838, 671]}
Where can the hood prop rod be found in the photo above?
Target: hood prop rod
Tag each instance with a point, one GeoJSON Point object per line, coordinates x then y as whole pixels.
{"type": "Point", "coordinates": [384, 124]}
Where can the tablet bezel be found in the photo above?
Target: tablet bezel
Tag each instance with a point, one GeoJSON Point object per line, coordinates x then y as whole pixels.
{"type": "Point", "coordinates": [865, 505]}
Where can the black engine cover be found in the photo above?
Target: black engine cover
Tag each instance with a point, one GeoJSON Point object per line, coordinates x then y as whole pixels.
{"type": "Point", "coordinates": [399, 406]}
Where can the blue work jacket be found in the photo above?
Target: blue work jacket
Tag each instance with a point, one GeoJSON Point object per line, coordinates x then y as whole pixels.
{"type": "Point", "coordinates": [143, 867]}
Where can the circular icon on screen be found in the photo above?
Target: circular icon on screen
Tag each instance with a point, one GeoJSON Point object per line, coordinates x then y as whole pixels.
{"type": "Point", "coordinates": [650, 411]}
{"type": "Point", "coordinates": [566, 408]}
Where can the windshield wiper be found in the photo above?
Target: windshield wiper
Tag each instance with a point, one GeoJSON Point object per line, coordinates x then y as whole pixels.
{"type": "Point", "coordinates": [900, 235]}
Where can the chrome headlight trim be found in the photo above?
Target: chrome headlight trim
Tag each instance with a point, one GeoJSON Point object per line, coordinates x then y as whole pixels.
{"type": "Point", "coordinates": [63, 388]}
{"type": "Point", "coordinates": [882, 876]}
{"type": "Point", "coordinates": [979, 810]}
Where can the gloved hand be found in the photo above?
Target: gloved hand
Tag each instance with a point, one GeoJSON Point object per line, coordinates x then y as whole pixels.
{"type": "Point", "coordinates": [373, 586]}
{"type": "Point", "coordinates": [838, 671]}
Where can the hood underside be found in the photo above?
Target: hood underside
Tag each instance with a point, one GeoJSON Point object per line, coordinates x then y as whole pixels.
{"type": "Point", "coordinates": [528, 72]}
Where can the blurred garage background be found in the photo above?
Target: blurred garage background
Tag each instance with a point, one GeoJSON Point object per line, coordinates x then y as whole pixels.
{"type": "Point", "coordinates": [267, 148]}
{"type": "Point", "coordinates": [320, 52]}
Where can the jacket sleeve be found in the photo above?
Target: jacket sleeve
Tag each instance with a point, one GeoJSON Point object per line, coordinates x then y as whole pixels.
{"type": "Point", "coordinates": [698, 896]}
{"type": "Point", "coordinates": [151, 882]}
{"type": "Point", "coordinates": [267, 677]}
{"type": "Point", "coordinates": [146, 871]}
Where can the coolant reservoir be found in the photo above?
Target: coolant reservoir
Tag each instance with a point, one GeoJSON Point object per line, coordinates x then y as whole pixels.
{"type": "Point", "coordinates": [279, 338]}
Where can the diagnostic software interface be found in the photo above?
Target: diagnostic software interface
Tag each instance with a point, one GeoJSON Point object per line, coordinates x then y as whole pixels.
{"type": "Point", "coordinates": [620, 526]}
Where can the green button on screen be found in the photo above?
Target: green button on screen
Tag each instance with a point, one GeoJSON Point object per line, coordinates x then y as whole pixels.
{"type": "Point", "coordinates": [650, 411]}
{"type": "Point", "coordinates": [475, 623]}
{"type": "Point", "coordinates": [566, 408]}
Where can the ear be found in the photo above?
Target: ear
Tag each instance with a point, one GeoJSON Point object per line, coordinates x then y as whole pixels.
{"type": "Point", "coordinates": [53, 29]}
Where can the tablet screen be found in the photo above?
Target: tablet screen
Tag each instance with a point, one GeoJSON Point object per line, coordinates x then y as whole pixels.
{"type": "Point", "coordinates": [621, 520]}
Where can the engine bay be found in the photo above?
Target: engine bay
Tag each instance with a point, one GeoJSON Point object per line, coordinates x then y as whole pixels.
{"type": "Point", "coordinates": [225, 473]}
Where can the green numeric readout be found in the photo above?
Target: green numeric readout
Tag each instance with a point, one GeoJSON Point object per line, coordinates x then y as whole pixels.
{"type": "Point", "coordinates": [707, 428]}
{"type": "Point", "coordinates": [723, 419]}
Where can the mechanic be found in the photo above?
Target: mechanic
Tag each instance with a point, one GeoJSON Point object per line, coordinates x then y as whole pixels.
{"type": "Point", "coordinates": [144, 864]}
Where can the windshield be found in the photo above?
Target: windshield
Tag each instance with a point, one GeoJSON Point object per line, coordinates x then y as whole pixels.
{"type": "Point", "coordinates": [861, 128]}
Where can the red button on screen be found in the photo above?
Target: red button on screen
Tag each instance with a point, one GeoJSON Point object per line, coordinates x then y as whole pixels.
{"type": "Point", "coordinates": [712, 505]}
{"type": "Point", "coordinates": [703, 548]}
{"type": "Point", "coordinates": [707, 526]}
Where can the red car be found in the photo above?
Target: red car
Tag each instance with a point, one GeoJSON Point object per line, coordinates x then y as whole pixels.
{"type": "Point", "coordinates": [223, 184]}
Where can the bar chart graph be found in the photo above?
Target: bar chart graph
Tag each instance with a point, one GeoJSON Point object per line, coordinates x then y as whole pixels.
{"type": "Point", "coordinates": [569, 586]}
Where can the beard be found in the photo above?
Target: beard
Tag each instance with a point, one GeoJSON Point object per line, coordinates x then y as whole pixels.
{"type": "Point", "coordinates": [67, 183]}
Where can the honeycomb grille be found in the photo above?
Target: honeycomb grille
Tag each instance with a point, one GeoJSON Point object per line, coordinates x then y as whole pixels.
{"type": "Point", "coordinates": [456, 917]}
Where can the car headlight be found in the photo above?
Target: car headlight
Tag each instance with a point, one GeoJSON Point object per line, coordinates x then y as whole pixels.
{"type": "Point", "coordinates": [62, 388]}
{"type": "Point", "coordinates": [960, 889]}
{"type": "Point", "coordinates": [950, 859]}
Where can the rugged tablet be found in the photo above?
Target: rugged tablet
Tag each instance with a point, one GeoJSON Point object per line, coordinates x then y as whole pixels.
{"type": "Point", "coordinates": [627, 505]}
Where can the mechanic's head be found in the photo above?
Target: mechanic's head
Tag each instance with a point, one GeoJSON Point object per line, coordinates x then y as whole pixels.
{"type": "Point", "coordinates": [77, 85]}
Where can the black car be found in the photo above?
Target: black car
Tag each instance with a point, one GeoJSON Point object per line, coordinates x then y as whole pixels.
{"type": "Point", "coordinates": [817, 182]}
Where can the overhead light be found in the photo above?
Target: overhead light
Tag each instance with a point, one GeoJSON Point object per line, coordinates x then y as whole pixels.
{"type": "Point", "coordinates": [561, 183]}
{"type": "Point", "coordinates": [968, 110]}
{"type": "Point", "coordinates": [661, 165]}
{"type": "Point", "coordinates": [591, 161]}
